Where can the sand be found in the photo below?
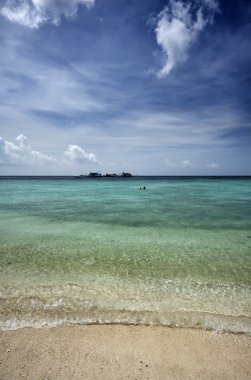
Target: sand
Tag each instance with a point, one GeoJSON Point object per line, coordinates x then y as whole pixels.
{"type": "Point", "coordinates": [123, 352]}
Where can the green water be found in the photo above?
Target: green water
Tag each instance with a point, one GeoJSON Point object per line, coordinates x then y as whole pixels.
{"type": "Point", "coordinates": [103, 251]}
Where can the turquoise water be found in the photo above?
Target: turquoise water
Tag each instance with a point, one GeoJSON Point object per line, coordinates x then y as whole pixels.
{"type": "Point", "coordinates": [103, 251]}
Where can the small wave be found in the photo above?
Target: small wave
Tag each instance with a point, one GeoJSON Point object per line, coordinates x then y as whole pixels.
{"type": "Point", "coordinates": [204, 321]}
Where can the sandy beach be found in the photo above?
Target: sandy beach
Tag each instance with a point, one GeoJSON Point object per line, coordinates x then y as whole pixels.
{"type": "Point", "coordinates": [123, 352]}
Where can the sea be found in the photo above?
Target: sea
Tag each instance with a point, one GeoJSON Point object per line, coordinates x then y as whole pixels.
{"type": "Point", "coordinates": [104, 251]}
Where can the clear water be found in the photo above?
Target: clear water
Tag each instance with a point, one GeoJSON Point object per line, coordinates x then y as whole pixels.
{"type": "Point", "coordinates": [103, 251]}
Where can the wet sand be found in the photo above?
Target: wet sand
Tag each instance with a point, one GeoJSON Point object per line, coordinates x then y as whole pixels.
{"type": "Point", "coordinates": [123, 352]}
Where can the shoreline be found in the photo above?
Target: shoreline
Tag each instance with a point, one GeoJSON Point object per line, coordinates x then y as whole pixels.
{"type": "Point", "coordinates": [123, 351]}
{"type": "Point", "coordinates": [69, 324]}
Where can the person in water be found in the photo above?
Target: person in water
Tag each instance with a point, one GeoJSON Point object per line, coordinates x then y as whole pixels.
{"type": "Point", "coordinates": [142, 188]}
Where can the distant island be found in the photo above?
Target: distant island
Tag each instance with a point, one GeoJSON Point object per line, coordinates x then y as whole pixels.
{"type": "Point", "coordinates": [98, 175]}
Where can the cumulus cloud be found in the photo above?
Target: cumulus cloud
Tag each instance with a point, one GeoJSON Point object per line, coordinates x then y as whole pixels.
{"type": "Point", "coordinates": [170, 163]}
{"type": "Point", "coordinates": [213, 165]}
{"type": "Point", "coordinates": [178, 27]}
{"type": "Point", "coordinates": [187, 163]}
{"type": "Point", "coordinates": [76, 154]}
{"type": "Point", "coordinates": [23, 142]}
{"type": "Point", "coordinates": [33, 13]}
{"type": "Point", "coordinates": [22, 153]}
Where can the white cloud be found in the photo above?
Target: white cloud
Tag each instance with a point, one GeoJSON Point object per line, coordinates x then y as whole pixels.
{"type": "Point", "coordinates": [33, 13]}
{"type": "Point", "coordinates": [21, 153]}
{"type": "Point", "coordinates": [23, 142]}
{"type": "Point", "coordinates": [213, 165]}
{"type": "Point", "coordinates": [178, 26]}
{"type": "Point", "coordinates": [76, 154]}
{"type": "Point", "coordinates": [187, 163]}
{"type": "Point", "coordinates": [170, 163]}
{"type": "Point", "coordinates": [23, 14]}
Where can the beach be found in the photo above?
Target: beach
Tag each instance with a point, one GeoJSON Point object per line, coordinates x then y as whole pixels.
{"type": "Point", "coordinates": [123, 352]}
{"type": "Point", "coordinates": [125, 190]}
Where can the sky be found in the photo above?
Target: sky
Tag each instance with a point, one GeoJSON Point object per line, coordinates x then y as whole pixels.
{"type": "Point", "coordinates": [147, 87]}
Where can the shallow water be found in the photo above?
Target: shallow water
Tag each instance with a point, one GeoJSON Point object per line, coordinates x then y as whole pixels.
{"type": "Point", "coordinates": [103, 251]}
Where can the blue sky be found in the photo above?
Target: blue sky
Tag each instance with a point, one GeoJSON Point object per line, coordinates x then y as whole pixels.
{"type": "Point", "coordinates": [150, 87]}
